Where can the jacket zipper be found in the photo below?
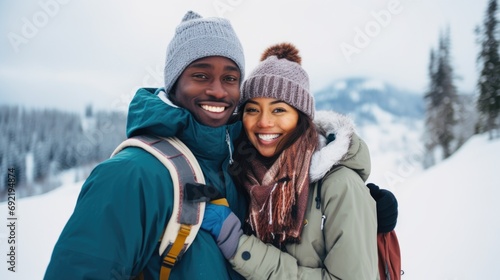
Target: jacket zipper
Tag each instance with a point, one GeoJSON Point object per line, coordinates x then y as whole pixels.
{"type": "Point", "coordinates": [228, 141]}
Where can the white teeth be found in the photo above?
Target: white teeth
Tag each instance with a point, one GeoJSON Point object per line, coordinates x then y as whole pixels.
{"type": "Point", "coordinates": [267, 137]}
{"type": "Point", "coordinates": [215, 109]}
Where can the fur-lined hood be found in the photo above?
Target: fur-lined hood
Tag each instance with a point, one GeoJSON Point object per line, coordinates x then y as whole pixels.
{"type": "Point", "coordinates": [347, 149]}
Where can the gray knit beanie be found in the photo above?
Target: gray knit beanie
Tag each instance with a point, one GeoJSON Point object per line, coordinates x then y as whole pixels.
{"type": "Point", "coordinates": [280, 76]}
{"type": "Point", "coordinates": [196, 37]}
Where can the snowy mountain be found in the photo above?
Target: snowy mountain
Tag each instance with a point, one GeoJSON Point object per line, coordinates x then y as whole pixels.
{"type": "Point", "coordinates": [357, 96]}
{"type": "Point", "coordinates": [390, 120]}
{"type": "Point", "coordinates": [448, 226]}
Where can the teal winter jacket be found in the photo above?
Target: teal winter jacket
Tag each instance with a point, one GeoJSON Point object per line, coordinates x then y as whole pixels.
{"type": "Point", "coordinates": [126, 202]}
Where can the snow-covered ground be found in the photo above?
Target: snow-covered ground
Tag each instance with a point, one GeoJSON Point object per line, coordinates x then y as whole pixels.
{"type": "Point", "coordinates": [448, 225]}
{"type": "Point", "coordinates": [40, 220]}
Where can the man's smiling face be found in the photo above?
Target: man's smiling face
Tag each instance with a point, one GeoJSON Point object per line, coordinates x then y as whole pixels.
{"type": "Point", "coordinates": [209, 88]}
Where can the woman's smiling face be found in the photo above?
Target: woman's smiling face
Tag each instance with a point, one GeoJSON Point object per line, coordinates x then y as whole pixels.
{"type": "Point", "coordinates": [268, 122]}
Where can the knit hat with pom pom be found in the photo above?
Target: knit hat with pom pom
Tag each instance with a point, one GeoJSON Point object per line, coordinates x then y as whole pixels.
{"type": "Point", "coordinates": [279, 75]}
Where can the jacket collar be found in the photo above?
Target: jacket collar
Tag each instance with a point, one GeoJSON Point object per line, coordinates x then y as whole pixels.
{"type": "Point", "coordinates": [339, 151]}
{"type": "Point", "coordinates": [151, 112]}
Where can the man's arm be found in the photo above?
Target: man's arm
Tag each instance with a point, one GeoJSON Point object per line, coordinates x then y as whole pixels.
{"type": "Point", "coordinates": [117, 221]}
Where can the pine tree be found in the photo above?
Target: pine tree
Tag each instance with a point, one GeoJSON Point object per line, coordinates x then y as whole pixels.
{"type": "Point", "coordinates": [441, 102]}
{"type": "Point", "coordinates": [56, 140]}
{"type": "Point", "coordinates": [488, 101]}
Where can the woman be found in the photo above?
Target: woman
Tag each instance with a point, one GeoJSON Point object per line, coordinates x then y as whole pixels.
{"type": "Point", "coordinates": [307, 197]}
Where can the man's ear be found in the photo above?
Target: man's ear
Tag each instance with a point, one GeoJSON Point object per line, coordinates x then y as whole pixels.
{"type": "Point", "coordinates": [171, 94]}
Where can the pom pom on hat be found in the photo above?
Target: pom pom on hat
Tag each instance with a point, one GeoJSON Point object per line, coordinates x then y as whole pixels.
{"type": "Point", "coordinates": [279, 75]}
{"type": "Point", "coordinates": [283, 50]}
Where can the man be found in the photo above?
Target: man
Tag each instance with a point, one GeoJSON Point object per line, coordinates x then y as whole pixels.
{"type": "Point", "coordinates": [126, 202]}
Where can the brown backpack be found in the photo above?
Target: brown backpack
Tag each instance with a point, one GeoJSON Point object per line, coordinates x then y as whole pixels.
{"type": "Point", "coordinates": [389, 256]}
{"type": "Point", "coordinates": [389, 253]}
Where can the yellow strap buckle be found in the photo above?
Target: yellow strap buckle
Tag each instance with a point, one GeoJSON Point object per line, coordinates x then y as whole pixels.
{"type": "Point", "coordinates": [175, 250]}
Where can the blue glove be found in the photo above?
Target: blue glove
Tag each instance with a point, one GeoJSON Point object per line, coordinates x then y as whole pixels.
{"type": "Point", "coordinates": [224, 227]}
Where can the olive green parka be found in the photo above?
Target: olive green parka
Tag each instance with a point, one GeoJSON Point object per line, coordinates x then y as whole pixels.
{"type": "Point", "coordinates": [339, 238]}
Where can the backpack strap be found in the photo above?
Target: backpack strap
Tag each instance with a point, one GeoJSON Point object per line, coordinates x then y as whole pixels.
{"type": "Point", "coordinates": [320, 184]}
{"type": "Point", "coordinates": [186, 215]}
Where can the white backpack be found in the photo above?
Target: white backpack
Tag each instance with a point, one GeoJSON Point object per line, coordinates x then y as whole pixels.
{"type": "Point", "coordinates": [187, 214]}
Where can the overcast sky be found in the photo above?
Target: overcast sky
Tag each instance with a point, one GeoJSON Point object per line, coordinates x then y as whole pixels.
{"type": "Point", "coordinates": [69, 53]}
